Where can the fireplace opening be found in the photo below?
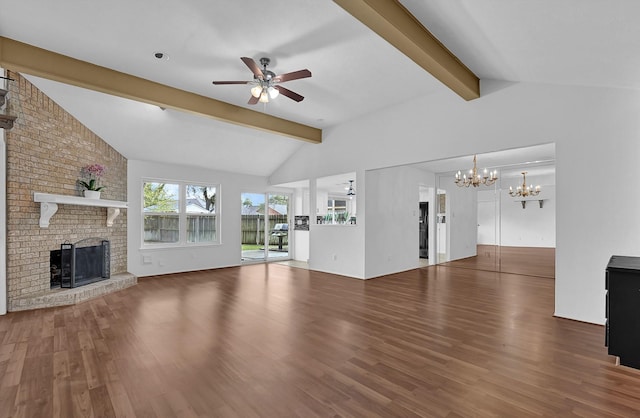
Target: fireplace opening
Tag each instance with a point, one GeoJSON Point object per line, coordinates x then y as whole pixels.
{"type": "Point", "coordinates": [86, 261]}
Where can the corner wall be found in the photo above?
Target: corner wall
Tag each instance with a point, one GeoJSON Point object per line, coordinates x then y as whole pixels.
{"type": "Point", "coordinates": [46, 150]}
{"type": "Point", "coordinates": [392, 228]}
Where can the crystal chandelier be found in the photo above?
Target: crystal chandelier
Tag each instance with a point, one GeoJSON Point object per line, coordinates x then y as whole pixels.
{"type": "Point", "coordinates": [524, 190]}
{"type": "Point", "coordinates": [475, 179]}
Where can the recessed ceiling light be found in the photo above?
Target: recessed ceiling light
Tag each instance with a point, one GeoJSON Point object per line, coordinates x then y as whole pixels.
{"type": "Point", "coordinates": [161, 55]}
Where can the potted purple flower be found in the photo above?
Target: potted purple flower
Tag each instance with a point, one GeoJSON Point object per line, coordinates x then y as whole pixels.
{"type": "Point", "coordinates": [91, 180]}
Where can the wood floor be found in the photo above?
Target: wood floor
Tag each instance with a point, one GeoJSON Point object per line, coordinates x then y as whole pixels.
{"type": "Point", "coordinates": [530, 261]}
{"type": "Point", "coordinates": [277, 341]}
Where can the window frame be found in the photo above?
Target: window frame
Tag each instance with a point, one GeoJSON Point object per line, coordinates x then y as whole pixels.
{"type": "Point", "coordinates": [182, 214]}
{"type": "Point", "coordinates": [332, 209]}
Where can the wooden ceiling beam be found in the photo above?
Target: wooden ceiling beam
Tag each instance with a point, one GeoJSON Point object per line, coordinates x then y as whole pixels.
{"type": "Point", "coordinates": [28, 59]}
{"type": "Point", "coordinates": [394, 23]}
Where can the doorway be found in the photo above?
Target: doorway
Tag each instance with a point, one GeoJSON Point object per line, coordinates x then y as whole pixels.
{"type": "Point", "coordinates": [423, 233]}
{"type": "Point", "coordinates": [265, 232]}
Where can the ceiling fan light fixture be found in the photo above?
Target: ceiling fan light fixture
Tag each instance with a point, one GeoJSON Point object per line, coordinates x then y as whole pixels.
{"type": "Point", "coordinates": [350, 190]}
{"type": "Point", "coordinates": [256, 91]}
{"type": "Point", "coordinates": [273, 92]}
{"type": "Point", "coordinates": [264, 82]}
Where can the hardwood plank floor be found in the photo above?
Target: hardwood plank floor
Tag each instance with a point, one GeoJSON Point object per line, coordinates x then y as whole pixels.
{"type": "Point", "coordinates": [276, 341]}
{"type": "Point", "coordinates": [529, 261]}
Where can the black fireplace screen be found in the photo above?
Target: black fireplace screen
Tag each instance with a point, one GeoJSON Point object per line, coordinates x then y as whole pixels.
{"type": "Point", "coordinates": [86, 261]}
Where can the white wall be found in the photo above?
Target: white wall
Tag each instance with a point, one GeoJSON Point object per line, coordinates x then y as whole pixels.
{"type": "Point", "coordinates": [517, 227]}
{"type": "Point", "coordinates": [301, 238]}
{"type": "Point", "coordinates": [321, 202]}
{"type": "Point", "coordinates": [488, 217]}
{"type": "Point", "coordinates": [301, 246]}
{"type": "Point", "coordinates": [532, 226]}
{"type": "Point", "coordinates": [594, 129]}
{"type": "Point", "coordinates": [338, 249]}
{"type": "Point", "coordinates": [461, 220]}
{"type": "Point", "coordinates": [391, 232]}
{"type": "Point", "coordinates": [173, 260]}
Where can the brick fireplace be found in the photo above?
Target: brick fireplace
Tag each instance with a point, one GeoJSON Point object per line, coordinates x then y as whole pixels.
{"type": "Point", "coordinates": [46, 149]}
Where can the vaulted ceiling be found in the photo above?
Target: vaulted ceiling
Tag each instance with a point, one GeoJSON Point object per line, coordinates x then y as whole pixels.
{"type": "Point", "coordinates": [355, 71]}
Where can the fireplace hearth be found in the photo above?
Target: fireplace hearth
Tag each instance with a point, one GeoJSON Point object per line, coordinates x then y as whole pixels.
{"type": "Point", "coordinates": [86, 261]}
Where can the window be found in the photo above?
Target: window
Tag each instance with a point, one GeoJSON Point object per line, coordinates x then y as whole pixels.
{"type": "Point", "coordinates": [201, 213]}
{"type": "Point", "coordinates": [180, 213]}
{"type": "Point", "coordinates": [337, 211]}
{"type": "Point", "coordinates": [161, 208]}
{"type": "Point", "coordinates": [335, 200]}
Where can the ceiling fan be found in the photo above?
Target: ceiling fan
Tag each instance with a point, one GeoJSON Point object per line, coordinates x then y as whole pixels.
{"type": "Point", "coordinates": [266, 82]}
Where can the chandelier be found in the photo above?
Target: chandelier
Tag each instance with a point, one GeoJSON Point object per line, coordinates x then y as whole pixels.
{"type": "Point", "coordinates": [524, 190]}
{"type": "Point", "coordinates": [475, 179]}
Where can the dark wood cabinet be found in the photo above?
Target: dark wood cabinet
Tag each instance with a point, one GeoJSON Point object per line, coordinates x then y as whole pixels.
{"type": "Point", "coordinates": [622, 330]}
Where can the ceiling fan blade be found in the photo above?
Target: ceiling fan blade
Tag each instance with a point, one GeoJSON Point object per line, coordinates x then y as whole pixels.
{"type": "Point", "coordinates": [253, 100]}
{"type": "Point", "coordinates": [292, 76]}
{"type": "Point", "coordinates": [253, 67]}
{"type": "Point", "coordinates": [290, 94]}
{"type": "Point", "coordinates": [230, 82]}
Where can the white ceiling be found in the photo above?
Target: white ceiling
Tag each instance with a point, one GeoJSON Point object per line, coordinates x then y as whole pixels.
{"type": "Point", "coordinates": [539, 160]}
{"type": "Point", "coordinates": [586, 42]}
{"type": "Point", "coordinates": [337, 183]}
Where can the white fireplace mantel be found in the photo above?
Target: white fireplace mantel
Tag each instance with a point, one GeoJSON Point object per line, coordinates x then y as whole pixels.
{"type": "Point", "coordinates": [49, 206]}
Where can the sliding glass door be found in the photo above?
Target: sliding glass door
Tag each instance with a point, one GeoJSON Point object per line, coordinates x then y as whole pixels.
{"type": "Point", "coordinates": [277, 231]}
{"type": "Point", "coordinates": [265, 227]}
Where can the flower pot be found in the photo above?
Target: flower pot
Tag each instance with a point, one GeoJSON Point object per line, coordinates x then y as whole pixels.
{"type": "Point", "coordinates": [91, 194]}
